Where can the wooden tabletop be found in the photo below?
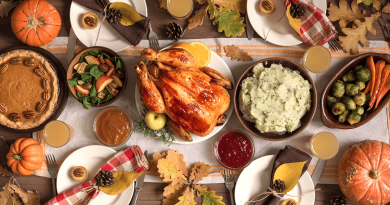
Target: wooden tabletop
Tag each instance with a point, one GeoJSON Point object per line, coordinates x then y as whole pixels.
{"type": "Point", "coordinates": [151, 193]}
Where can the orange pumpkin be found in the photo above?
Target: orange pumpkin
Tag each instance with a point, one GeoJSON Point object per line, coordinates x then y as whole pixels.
{"type": "Point", "coordinates": [364, 173]}
{"type": "Point", "coordinates": [25, 156]}
{"type": "Point", "coordinates": [35, 22]}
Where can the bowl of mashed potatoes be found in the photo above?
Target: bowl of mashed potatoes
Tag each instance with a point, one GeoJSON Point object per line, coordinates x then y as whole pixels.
{"type": "Point", "coordinates": [275, 99]}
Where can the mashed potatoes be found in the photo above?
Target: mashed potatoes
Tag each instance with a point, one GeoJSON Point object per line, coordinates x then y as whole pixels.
{"type": "Point", "coordinates": [275, 98]}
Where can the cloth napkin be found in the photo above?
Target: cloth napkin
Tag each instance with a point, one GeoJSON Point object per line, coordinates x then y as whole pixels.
{"type": "Point", "coordinates": [316, 28]}
{"type": "Point", "coordinates": [289, 154]}
{"type": "Point", "coordinates": [132, 33]}
{"type": "Point", "coordinates": [130, 160]}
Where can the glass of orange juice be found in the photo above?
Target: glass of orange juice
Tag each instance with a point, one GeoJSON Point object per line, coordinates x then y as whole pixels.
{"type": "Point", "coordinates": [324, 145]}
{"type": "Point", "coordinates": [180, 9]}
{"type": "Point", "coordinates": [57, 133]}
{"type": "Point", "coordinates": [317, 59]}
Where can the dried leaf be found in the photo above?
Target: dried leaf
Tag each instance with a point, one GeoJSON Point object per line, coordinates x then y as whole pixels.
{"type": "Point", "coordinates": [350, 43]}
{"type": "Point", "coordinates": [236, 53]}
{"type": "Point", "coordinates": [234, 5]}
{"type": "Point", "coordinates": [178, 161]}
{"type": "Point", "coordinates": [6, 7]}
{"type": "Point", "coordinates": [162, 4]}
{"type": "Point", "coordinates": [4, 172]}
{"type": "Point", "coordinates": [386, 9]}
{"type": "Point", "coordinates": [8, 196]}
{"type": "Point", "coordinates": [153, 163]}
{"type": "Point", "coordinates": [202, 1]}
{"type": "Point", "coordinates": [172, 188]}
{"type": "Point", "coordinates": [174, 197]}
{"type": "Point", "coordinates": [289, 173]}
{"type": "Point", "coordinates": [208, 196]}
{"type": "Point", "coordinates": [199, 171]}
{"type": "Point", "coordinates": [169, 171]}
{"type": "Point", "coordinates": [187, 198]}
{"type": "Point", "coordinates": [375, 3]}
{"type": "Point", "coordinates": [211, 9]}
{"type": "Point", "coordinates": [294, 22]}
{"type": "Point", "coordinates": [344, 13]}
{"type": "Point", "coordinates": [122, 180]}
{"type": "Point", "coordinates": [229, 21]}
{"type": "Point", "coordinates": [130, 16]}
{"type": "Point", "coordinates": [28, 197]}
{"type": "Point", "coordinates": [197, 19]}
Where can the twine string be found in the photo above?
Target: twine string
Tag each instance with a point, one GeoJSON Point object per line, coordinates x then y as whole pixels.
{"type": "Point", "coordinates": [104, 12]}
{"type": "Point", "coordinates": [277, 194]}
{"type": "Point", "coordinates": [284, 13]}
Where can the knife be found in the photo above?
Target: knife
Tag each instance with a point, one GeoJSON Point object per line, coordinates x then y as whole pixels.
{"type": "Point", "coordinates": [315, 177]}
{"type": "Point", "coordinates": [71, 45]}
{"type": "Point", "coordinates": [249, 28]}
{"type": "Point", "coordinates": [139, 184]}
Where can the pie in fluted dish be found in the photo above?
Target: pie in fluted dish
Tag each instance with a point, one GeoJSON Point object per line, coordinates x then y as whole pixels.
{"type": "Point", "coordinates": [29, 89]}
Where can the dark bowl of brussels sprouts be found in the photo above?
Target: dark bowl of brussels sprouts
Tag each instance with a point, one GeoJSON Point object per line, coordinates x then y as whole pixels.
{"type": "Point", "coordinates": [345, 99]}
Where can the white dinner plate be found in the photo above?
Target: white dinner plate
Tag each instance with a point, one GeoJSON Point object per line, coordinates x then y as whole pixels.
{"type": "Point", "coordinates": [108, 36]}
{"type": "Point", "coordinates": [92, 158]}
{"type": "Point", "coordinates": [255, 180]}
{"type": "Point", "coordinates": [282, 34]}
{"type": "Point", "coordinates": [219, 65]}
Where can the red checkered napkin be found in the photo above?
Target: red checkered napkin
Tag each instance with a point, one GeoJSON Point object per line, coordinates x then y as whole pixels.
{"type": "Point", "coordinates": [316, 28]}
{"type": "Point", "coordinates": [130, 160]}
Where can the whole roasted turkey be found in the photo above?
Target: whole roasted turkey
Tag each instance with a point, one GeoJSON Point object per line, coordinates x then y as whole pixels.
{"type": "Point", "coordinates": [194, 98]}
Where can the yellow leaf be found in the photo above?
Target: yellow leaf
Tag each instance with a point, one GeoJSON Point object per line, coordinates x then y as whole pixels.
{"type": "Point", "coordinates": [178, 161]}
{"type": "Point", "coordinates": [234, 5]}
{"type": "Point", "coordinates": [344, 13]}
{"type": "Point", "coordinates": [199, 171]}
{"type": "Point", "coordinates": [237, 54]}
{"type": "Point", "coordinates": [197, 19]}
{"type": "Point", "coordinates": [208, 196]}
{"type": "Point", "coordinates": [162, 4]}
{"type": "Point", "coordinates": [153, 163]}
{"type": "Point", "coordinates": [171, 188]}
{"type": "Point", "coordinates": [375, 3]}
{"type": "Point", "coordinates": [174, 197]}
{"type": "Point", "coordinates": [289, 173]}
{"type": "Point", "coordinates": [169, 171]}
{"type": "Point", "coordinates": [129, 15]}
{"type": "Point", "coordinates": [122, 180]}
{"type": "Point", "coordinates": [386, 9]}
{"type": "Point", "coordinates": [295, 23]}
{"type": "Point", "coordinates": [187, 198]}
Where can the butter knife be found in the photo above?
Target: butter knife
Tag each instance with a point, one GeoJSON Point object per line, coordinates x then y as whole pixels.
{"type": "Point", "coordinates": [71, 45]}
{"type": "Point", "coordinates": [249, 28]}
{"type": "Point", "coordinates": [315, 177]}
{"type": "Point", "coordinates": [139, 184]}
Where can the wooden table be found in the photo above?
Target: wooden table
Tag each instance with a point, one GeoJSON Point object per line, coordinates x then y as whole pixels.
{"type": "Point", "coordinates": [151, 193]}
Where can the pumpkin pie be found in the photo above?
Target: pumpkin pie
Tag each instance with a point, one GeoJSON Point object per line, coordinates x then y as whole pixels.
{"type": "Point", "coordinates": [29, 89]}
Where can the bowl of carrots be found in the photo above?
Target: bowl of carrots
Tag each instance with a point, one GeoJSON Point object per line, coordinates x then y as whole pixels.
{"type": "Point", "coordinates": [357, 92]}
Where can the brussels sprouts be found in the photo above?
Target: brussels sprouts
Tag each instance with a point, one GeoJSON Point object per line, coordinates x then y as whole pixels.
{"type": "Point", "coordinates": [360, 99]}
{"type": "Point", "coordinates": [361, 85]}
{"type": "Point", "coordinates": [349, 76]}
{"type": "Point", "coordinates": [354, 118]}
{"type": "Point", "coordinates": [349, 103]}
{"type": "Point", "coordinates": [363, 75]}
{"type": "Point", "coordinates": [351, 89]}
{"type": "Point", "coordinates": [330, 101]}
{"type": "Point", "coordinates": [343, 117]}
{"type": "Point", "coordinates": [338, 108]}
{"type": "Point", "coordinates": [358, 67]}
{"type": "Point", "coordinates": [338, 89]}
{"type": "Point", "coordinates": [359, 110]}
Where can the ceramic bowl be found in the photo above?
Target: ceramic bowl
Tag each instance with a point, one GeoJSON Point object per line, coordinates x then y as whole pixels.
{"type": "Point", "coordinates": [327, 117]}
{"type": "Point", "coordinates": [305, 120]}
{"type": "Point", "coordinates": [76, 59]}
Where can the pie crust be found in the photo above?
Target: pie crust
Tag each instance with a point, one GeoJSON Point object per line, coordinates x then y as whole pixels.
{"type": "Point", "coordinates": [22, 89]}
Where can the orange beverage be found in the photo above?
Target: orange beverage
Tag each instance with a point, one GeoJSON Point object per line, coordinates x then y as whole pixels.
{"type": "Point", "coordinates": [57, 133]}
{"type": "Point", "coordinates": [324, 145]}
{"type": "Point", "coordinates": [317, 59]}
{"type": "Point", "coordinates": [180, 9]}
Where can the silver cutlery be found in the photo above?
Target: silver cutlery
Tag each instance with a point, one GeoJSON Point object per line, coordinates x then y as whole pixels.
{"type": "Point", "coordinates": [334, 44]}
{"type": "Point", "coordinates": [53, 169]}
{"type": "Point", "coordinates": [315, 177]}
{"type": "Point", "coordinates": [229, 183]}
{"type": "Point", "coordinates": [153, 39]}
{"type": "Point", "coordinates": [249, 28]}
{"type": "Point", "coordinates": [71, 45]}
{"type": "Point", "coordinates": [138, 184]}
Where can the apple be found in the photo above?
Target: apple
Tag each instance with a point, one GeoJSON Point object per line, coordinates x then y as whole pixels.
{"type": "Point", "coordinates": [81, 90]}
{"type": "Point", "coordinates": [102, 82]}
{"type": "Point", "coordinates": [91, 60]}
{"type": "Point", "coordinates": [114, 92]}
{"type": "Point", "coordinates": [117, 81]}
{"type": "Point", "coordinates": [114, 85]}
{"type": "Point", "coordinates": [76, 67]}
{"type": "Point", "coordinates": [154, 120]}
{"type": "Point", "coordinates": [80, 82]}
{"type": "Point", "coordinates": [111, 71]}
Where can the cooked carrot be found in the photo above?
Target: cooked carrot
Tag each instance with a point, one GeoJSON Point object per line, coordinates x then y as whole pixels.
{"type": "Point", "coordinates": [384, 90]}
{"type": "Point", "coordinates": [385, 75]}
{"type": "Point", "coordinates": [368, 88]}
{"type": "Point", "coordinates": [371, 66]}
{"type": "Point", "coordinates": [378, 72]}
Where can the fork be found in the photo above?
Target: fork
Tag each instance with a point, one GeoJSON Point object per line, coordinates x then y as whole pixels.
{"type": "Point", "coordinates": [153, 39]}
{"type": "Point", "coordinates": [229, 182]}
{"type": "Point", "coordinates": [334, 44]}
{"type": "Point", "coordinates": [52, 167]}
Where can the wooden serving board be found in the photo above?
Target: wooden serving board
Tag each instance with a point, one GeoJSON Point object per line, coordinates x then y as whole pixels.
{"type": "Point", "coordinates": [63, 89]}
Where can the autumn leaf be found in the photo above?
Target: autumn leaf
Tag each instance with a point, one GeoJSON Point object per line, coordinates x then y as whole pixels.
{"type": "Point", "coordinates": [169, 171]}
{"type": "Point", "coordinates": [174, 197]}
{"type": "Point", "coordinates": [375, 3]}
{"type": "Point", "coordinates": [199, 170]}
{"type": "Point", "coordinates": [386, 9]}
{"type": "Point", "coordinates": [211, 9]}
{"type": "Point", "coordinates": [28, 197]}
{"type": "Point", "coordinates": [172, 188]}
{"type": "Point", "coordinates": [236, 53]}
{"type": "Point", "coordinates": [202, 1]}
{"type": "Point", "coordinates": [178, 161]}
{"type": "Point", "coordinates": [208, 196]}
{"type": "Point", "coordinates": [344, 13]}
{"type": "Point", "coordinates": [187, 198]}
{"type": "Point", "coordinates": [197, 19]}
{"type": "Point", "coordinates": [130, 16]}
{"type": "Point", "coordinates": [4, 172]}
{"type": "Point", "coordinates": [229, 21]}
{"type": "Point", "coordinates": [8, 196]}
{"type": "Point", "coordinates": [6, 7]}
{"type": "Point", "coordinates": [153, 163]}
{"type": "Point", "coordinates": [162, 4]}
{"type": "Point", "coordinates": [234, 5]}
{"type": "Point", "coordinates": [350, 43]}
{"type": "Point", "coordinates": [122, 180]}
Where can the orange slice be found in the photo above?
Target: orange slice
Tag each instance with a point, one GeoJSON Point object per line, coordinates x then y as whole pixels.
{"type": "Point", "coordinates": [199, 50]}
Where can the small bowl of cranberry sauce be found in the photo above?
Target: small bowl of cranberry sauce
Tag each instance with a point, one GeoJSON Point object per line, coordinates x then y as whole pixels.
{"type": "Point", "coordinates": [234, 149]}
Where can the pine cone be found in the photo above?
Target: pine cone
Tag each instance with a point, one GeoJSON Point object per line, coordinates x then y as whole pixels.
{"type": "Point", "coordinates": [174, 31]}
{"type": "Point", "coordinates": [279, 185]}
{"type": "Point", "coordinates": [297, 10]}
{"type": "Point", "coordinates": [338, 200]}
{"type": "Point", "coordinates": [113, 15]}
{"type": "Point", "coordinates": [105, 178]}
